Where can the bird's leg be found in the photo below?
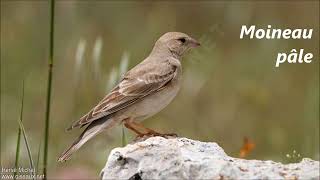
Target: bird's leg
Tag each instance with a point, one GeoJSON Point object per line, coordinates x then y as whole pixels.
{"type": "Point", "coordinates": [130, 126]}
{"type": "Point", "coordinates": [147, 130]}
{"type": "Point", "coordinates": [136, 127]}
{"type": "Point", "coordinates": [150, 132]}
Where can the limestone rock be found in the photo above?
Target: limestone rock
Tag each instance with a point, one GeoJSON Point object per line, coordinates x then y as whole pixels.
{"type": "Point", "coordinates": [182, 158]}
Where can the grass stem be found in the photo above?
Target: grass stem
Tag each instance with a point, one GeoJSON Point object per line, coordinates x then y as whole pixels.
{"type": "Point", "coordinates": [27, 145]}
{"type": "Point", "coordinates": [19, 134]}
{"type": "Point", "coordinates": [124, 141]}
{"type": "Point", "coordinates": [48, 102]}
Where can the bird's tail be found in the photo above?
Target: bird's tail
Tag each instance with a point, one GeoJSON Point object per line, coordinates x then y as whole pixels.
{"type": "Point", "coordinates": [92, 130]}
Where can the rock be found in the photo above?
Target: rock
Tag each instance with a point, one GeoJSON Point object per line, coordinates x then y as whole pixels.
{"type": "Point", "coordinates": [182, 158]}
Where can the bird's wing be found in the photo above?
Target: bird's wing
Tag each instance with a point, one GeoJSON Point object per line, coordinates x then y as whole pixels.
{"type": "Point", "coordinates": [136, 84]}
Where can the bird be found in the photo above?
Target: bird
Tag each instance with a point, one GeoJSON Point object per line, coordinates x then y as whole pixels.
{"type": "Point", "coordinates": [142, 92]}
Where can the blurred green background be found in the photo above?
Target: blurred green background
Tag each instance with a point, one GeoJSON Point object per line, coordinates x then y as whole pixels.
{"type": "Point", "coordinates": [231, 88]}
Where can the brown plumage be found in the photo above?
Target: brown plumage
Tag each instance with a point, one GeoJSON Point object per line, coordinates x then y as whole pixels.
{"type": "Point", "coordinates": [143, 91]}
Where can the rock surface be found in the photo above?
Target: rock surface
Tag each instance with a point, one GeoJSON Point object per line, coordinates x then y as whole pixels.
{"type": "Point", "coordinates": [182, 158]}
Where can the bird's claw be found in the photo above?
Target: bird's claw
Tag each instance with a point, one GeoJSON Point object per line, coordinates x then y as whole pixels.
{"type": "Point", "coordinates": [153, 134]}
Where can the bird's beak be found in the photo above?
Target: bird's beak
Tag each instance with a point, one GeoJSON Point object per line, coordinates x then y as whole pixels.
{"type": "Point", "coordinates": [193, 43]}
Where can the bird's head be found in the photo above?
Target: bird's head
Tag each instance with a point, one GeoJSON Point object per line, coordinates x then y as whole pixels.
{"type": "Point", "coordinates": [176, 42]}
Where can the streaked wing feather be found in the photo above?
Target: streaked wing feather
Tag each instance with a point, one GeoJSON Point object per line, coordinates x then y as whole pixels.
{"type": "Point", "coordinates": [131, 89]}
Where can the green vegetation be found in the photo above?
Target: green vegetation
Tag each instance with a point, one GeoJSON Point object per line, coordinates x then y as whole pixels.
{"type": "Point", "coordinates": [16, 164]}
{"type": "Point", "coordinates": [21, 129]}
{"type": "Point", "coordinates": [49, 89]}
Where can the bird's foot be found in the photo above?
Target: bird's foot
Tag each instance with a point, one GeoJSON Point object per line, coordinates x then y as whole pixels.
{"type": "Point", "coordinates": [153, 134]}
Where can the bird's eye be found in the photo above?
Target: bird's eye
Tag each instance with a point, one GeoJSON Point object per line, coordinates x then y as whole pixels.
{"type": "Point", "coordinates": [183, 40]}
